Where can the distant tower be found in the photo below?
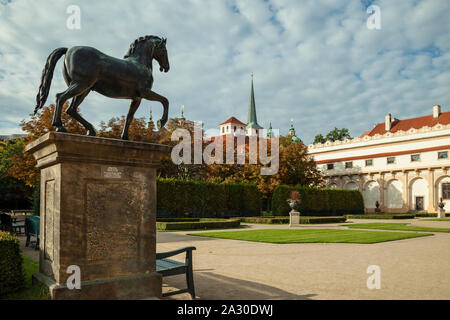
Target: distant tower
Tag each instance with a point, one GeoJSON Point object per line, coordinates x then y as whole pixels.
{"type": "Point", "coordinates": [291, 133]}
{"type": "Point", "coordinates": [253, 128]}
{"type": "Point", "coordinates": [151, 124]}
{"type": "Point", "coordinates": [182, 113]}
{"type": "Point", "coordinates": [269, 132]}
{"type": "Point", "coordinates": [291, 129]}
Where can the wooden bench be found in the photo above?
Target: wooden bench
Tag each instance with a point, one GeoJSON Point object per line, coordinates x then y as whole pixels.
{"type": "Point", "coordinates": [168, 267]}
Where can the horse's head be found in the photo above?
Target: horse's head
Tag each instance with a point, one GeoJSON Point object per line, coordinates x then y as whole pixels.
{"type": "Point", "coordinates": [148, 48]}
{"type": "Point", "coordinates": [160, 54]}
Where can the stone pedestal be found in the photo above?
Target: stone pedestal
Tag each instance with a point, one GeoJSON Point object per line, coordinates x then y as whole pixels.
{"type": "Point", "coordinates": [441, 213]}
{"type": "Point", "coordinates": [294, 218]}
{"type": "Point", "coordinates": [98, 212]}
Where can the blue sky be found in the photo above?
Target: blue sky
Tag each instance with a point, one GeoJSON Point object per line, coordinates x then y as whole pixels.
{"type": "Point", "coordinates": [314, 61]}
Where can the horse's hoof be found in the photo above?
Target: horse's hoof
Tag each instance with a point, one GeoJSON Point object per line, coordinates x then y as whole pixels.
{"type": "Point", "coordinates": [61, 129]}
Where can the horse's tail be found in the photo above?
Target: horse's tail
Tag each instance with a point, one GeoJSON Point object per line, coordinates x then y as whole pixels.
{"type": "Point", "coordinates": [47, 75]}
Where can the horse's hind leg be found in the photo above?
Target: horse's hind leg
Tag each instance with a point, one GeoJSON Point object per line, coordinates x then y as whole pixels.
{"type": "Point", "coordinates": [73, 90]}
{"type": "Point", "coordinates": [72, 111]}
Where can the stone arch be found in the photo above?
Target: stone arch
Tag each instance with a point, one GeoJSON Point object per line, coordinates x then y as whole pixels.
{"type": "Point", "coordinates": [393, 194]}
{"type": "Point", "coordinates": [371, 194]}
{"type": "Point", "coordinates": [418, 187]}
{"type": "Point", "coordinates": [438, 190]}
{"type": "Point", "coordinates": [351, 185]}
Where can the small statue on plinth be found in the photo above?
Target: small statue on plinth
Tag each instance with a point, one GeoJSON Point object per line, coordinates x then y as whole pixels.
{"type": "Point", "coordinates": [377, 207]}
{"type": "Point", "coordinates": [294, 203]}
{"type": "Point", "coordinates": [441, 211]}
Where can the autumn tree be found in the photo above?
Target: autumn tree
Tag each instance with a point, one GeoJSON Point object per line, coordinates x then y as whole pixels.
{"type": "Point", "coordinates": [24, 164]}
{"type": "Point", "coordinates": [14, 194]}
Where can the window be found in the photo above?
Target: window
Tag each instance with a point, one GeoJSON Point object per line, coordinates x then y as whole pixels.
{"type": "Point", "coordinates": [223, 129]}
{"type": "Point", "coordinates": [369, 163]}
{"type": "Point", "coordinates": [330, 166]}
{"type": "Point", "coordinates": [390, 160]}
{"type": "Point", "coordinates": [446, 191]}
{"type": "Point", "coordinates": [443, 155]}
{"type": "Point", "coordinates": [415, 157]}
{"type": "Point", "coordinates": [349, 165]}
{"type": "Point", "coordinates": [234, 128]}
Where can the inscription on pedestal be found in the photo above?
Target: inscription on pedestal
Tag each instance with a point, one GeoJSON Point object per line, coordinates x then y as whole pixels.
{"type": "Point", "coordinates": [49, 219]}
{"type": "Point", "coordinates": [113, 212]}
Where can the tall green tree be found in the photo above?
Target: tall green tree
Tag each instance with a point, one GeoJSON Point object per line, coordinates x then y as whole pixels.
{"type": "Point", "coordinates": [334, 135]}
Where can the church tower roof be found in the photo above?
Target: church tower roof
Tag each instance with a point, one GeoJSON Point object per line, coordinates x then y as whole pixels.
{"type": "Point", "coordinates": [252, 121]}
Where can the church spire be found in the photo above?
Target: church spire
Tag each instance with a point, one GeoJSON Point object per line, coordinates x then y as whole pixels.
{"type": "Point", "coordinates": [252, 124]}
{"type": "Point", "coordinates": [269, 131]}
{"type": "Point", "coordinates": [151, 125]}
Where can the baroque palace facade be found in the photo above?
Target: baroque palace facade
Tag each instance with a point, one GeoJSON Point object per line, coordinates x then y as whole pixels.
{"type": "Point", "coordinates": [402, 164]}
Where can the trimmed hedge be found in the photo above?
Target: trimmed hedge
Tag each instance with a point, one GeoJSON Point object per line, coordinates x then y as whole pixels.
{"type": "Point", "coordinates": [178, 220]}
{"type": "Point", "coordinates": [285, 220]}
{"type": "Point", "coordinates": [382, 216]}
{"type": "Point", "coordinates": [11, 274]}
{"type": "Point", "coordinates": [197, 199]}
{"type": "Point", "coordinates": [202, 224]}
{"type": "Point", "coordinates": [318, 202]}
{"type": "Point", "coordinates": [266, 220]}
{"type": "Point", "coordinates": [429, 215]}
{"type": "Point", "coordinates": [313, 220]}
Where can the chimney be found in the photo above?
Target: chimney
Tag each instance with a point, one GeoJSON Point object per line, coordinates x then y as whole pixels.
{"type": "Point", "coordinates": [436, 111]}
{"type": "Point", "coordinates": [387, 122]}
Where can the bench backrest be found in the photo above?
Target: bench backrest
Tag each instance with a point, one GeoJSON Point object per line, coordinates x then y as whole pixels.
{"type": "Point", "coordinates": [32, 225]}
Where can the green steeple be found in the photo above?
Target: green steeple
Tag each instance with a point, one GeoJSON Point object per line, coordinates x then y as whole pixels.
{"type": "Point", "coordinates": [252, 121]}
{"type": "Point", "coordinates": [182, 113]}
{"type": "Point", "coordinates": [291, 133]}
{"type": "Point", "coordinates": [151, 125]}
{"type": "Point", "coordinates": [269, 131]}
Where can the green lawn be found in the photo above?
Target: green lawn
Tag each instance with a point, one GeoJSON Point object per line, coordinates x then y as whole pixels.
{"type": "Point", "coordinates": [396, 226]}
{"type": "Point", "coordinates": [311, 236]}
{"type": "Point", "coordinates": [30, 292]}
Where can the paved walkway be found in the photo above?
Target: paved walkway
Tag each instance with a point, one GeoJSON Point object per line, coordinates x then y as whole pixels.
{"type": "Point", "coordinates": [416, 268]}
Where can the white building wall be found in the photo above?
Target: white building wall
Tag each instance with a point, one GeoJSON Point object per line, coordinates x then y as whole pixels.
{"type": "Point", "coordinates": [395, 185]}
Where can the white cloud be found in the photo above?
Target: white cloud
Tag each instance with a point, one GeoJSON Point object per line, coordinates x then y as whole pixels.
{"type": "Point", "coordinates": [314, 61]}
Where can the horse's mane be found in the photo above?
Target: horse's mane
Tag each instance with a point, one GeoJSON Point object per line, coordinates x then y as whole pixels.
{"type": "Point", "coordinates": [138, 41]}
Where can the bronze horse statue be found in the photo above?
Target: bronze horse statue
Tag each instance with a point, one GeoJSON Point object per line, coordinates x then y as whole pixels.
{"type": "Point", "coordinates": [86, 69]}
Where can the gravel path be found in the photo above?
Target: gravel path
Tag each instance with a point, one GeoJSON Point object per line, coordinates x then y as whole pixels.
{"type": "Point", "coordinates": [416, 268]}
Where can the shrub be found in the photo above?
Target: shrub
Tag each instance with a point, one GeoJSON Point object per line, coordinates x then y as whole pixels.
{"type": "Point", "coordinates": [202, 224]}
{"type": "Point", "coordinates": [267, 220]}
{"type": "Point", "coordinates": [285, 220]}
{"type": "Point", "coordinates": [11, 273]}
{"type": "Point", "coordinates": [381, 216]}
{"type": "Point", "coordinates": [318, 202]}
{"type": "Point", "coordinates": [198, 199]}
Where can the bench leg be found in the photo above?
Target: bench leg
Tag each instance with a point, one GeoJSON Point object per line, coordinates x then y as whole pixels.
{"type": "Point", "coordinates": [190, 275]}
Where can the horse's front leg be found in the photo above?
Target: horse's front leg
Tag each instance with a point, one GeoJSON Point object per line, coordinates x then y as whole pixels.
{"type": "Point", "coordinates": [153, 96]}
{"type": "Point", "coordinates": [133, 107]}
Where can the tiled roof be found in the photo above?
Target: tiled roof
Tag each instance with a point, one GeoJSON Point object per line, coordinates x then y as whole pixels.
{"type": "Point", "coordinates": [233, 120]}
{"type": "Point", "coordinates": [405, 125]}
